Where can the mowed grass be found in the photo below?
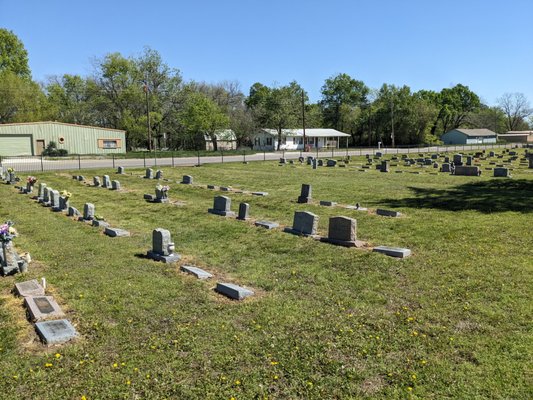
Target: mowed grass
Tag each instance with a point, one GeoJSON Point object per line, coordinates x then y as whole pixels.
{"type": "Point", "coordinates": [327, 322]}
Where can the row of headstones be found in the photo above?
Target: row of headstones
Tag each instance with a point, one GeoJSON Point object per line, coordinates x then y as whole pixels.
{"type": "Point", "coordinates": [341, 231]}
{"type": "Point", "coordinates": [163, 249]}
{"type": "Point", "coordinates": [149, 174]}
{"type": "Point", "coordinates": [48, 197]}
{"type": "Point", "coordinates": [45, 313]}
{"type": "Point", "coordinates": [107, 183]}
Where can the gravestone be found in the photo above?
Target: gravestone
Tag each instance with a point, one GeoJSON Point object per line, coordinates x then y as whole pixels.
{"type": "Point", "coordinates": [88, 211]}
{"type": "Point", "coordinates": [106, 182]}
{"type": "Point", "coordinates": [29, 288]}
{"type": "Point", "coordinates": [54, 200]}
{"type": "Point", "coordinates": [120, 170]}
{"type": "Point", "coordinates": [388, 213]}
{"type": "Point", "coordinates": [304, 223]}
{"type": "Point", "coordinates": [445, 168]}
{"type": "Point", "coordinates": [467, 170]}
{"type": "Point", "coordinates": [226, 188]}
{"type": "Point", "coordinates": [327, 203]}
{"type": "Point", "coordinates": [40, 194]}
{"type": "Point", "coordinates": [63, 203]}
{"type": "Point", "coordinates": [434, 156]}
{"type": "Point", "coordinates": [186, 180]}
{"type": "Point", "coordinates": [446, 159]}
{"type": "Point", "coordinates": [300, 160]}
{"type": "Point", "coordinates": [379, 154]}
{"type": "Point", "coordinates": [149, 173]}
{"type": "Point", "coordinates": [10, 261]}
{"type": "Point", "coordinates": [267, 224]}
{"type": "Point", "coordinates": [197, 272]}
{"type": "Point", "coordinates": [244, 209]}
{"type": "Point", "coordinates": [501, 172]}
{"type": "Point", "coordinates": [393, 251]}
{"type": "Point", "coordinates": [161, 196]}
{"type": "Point", "coordinates": [261, 194]}
{"type": "Point", "coordinates": [116, 232]}
{"type": "Point", "coordinates": [282, 160]}
{"type": "Point", "coordinates": [55, 332]}
{"type": "Point", "coordinates": [310, 160]}
{"type": "Point", "coordinates": [530, 158]}
{"type": "Point", "coordinates": [221, 206]}
{"type": "Point", "coordinates": [115, 185]}
{"type": "Point", "coordinates": [436, 165]}
{"type": "Point", "coordinates": [305, 194]}
{"type": "Point", "coordinates": [100, 224]}
{"type": "Point", "coordinates": [233, 291]}
{"type": "Point", "coordinates": [320, 163]}
{"type": "Point", "coordinates": [315, 163]}
{"type": "Point", "coordinates": [212, 187]}
{"type": "Point", "coordinates": [342, 231]}
{"type": "Point", "coordinates": [384, 166]}
{"type": "Point", "coordinates": [162, 247]}
{"type": "Point", "coordinates": [46, 196]}
{"type": "Point", "coordinates": [72, 212]}
{"type": "Point", "coordinates": [41, 308]}
{"type": "Point", "coordinates": [159, 174]}
{"type": "Point", "coordinates": [458, 159]}
{"type": "Point", "coordinates": [96, 181]}
{"type": "Point", "coordinates": [491, 154]}
{"type": "Point", "coordinates": [331, 163]}
{"type": "Point", "coordinates": [469, 160]}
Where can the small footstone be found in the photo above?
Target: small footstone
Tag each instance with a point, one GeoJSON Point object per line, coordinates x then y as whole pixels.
{"type": "Point", "coordinates": [327, 203]}
{"type": "Point", "coordinates": [393, 251]}
{"type": "Point", "coordinates": [233, 291]}
{"type": "Point", "coordinates": [211, 186]}
{"type": "Point", "coordinates": [55, 332]}
{"type": "Point", "coordinates": [150, 197]}
{"type": "Point", "coordinates": [116, 232]}
{"type": "Point", "coordinates": [198, 272]}
{"type": "Point", "coordinates": [267, 224]}
{"type": "Point", "coordinates": [41, 308]}
{"type": "Point", "coordinates": [100, 224]}
{"type": "Point", "coordinates": [388, 213]}
{"type": "Point", "coordinates": [260, 193]}
{"type": "Point", "coordinates": [29, 288]}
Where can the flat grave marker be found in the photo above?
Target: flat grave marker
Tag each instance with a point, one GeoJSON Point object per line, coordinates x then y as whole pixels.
{"type": "Point", "coordinates": [29, 288]}
{"type": "Point", "coordinates": [55, 332]}
{"type": "Point", "coordinates": [233, 291]}
{"type": "Point", "coordinates": [41, 308]}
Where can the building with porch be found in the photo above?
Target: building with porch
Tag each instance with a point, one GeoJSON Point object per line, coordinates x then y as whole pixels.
{"type": "Point", "coordinates": [293, 139]}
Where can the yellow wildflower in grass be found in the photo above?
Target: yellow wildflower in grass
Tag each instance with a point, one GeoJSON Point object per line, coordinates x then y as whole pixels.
{"type": "Point", "coordinates": [409, 389]}
{"type": "Point", "coordinates": [274, 363]}
{"type": "Point", "coordinates": [48, 365]}
{"type": "Point", "coordinates": [276, 377]}
{"type": "Point", "coordinates": [237, 382]}
{"type": "Point", "coordinates": [128, 382]}
{"type": "Point", "coordinates": [413, 377]}
{"type": "Point", "coordinates": [310, 384]}
{"type": "Point", "coordinates": [414, 333]}
{"type": "Point", "coordinates": [57, 355]}
{"type": "Point", "coordinates": [83, 398]}
{"type": "Point", "coordinates": [115, 365]}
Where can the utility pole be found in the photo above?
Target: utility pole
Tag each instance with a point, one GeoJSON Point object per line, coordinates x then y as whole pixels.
{"type": "Point", "coordinates": [146, 90]}
{"type": "Point", "coordinates": [392, 120]}
{"type": "Point", "coordinates": [303, 114]}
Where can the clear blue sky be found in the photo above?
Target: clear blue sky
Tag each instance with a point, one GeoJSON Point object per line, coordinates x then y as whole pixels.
{"type": "Point", "coordinates": [425, 44]}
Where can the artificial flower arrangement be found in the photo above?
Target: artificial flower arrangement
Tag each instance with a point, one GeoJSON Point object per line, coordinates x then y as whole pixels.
{"type": "Point", "coordinates": [7, 232]}
{"type": "Point", "coordinates": [32, 180]}
{"type": "Point", "coordinates": [11, 170]}
{"type": "Point", "coordinates": [66, 195]}
{"type": "Point", "coordinates": [163, 188]}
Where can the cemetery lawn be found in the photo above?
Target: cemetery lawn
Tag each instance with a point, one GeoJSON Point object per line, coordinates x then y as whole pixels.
{"type": "Point", "coordinates": [326, 322]}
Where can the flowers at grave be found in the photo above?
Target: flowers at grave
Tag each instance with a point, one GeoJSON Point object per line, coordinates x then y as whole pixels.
{"type": "Point", "coordinates": [7, 232]}
{"type": "Point", "coordinates": [99, 218]}
{"type": "Point", "coordinates": [32, 180]}
{"type": "Point", "coordinates": [163, 189]}
{"type": "Point", "coordinates": [66, 195]}
{"type": "Point", "coordinates": [11, 170]}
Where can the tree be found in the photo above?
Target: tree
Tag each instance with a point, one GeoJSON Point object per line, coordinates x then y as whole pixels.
{"type": "Point", "coordinates": [492, 118]}
{"type": "Point", "coordinates": [69, 99]}
{"type": "Point", "coordinates": [202, 116]}
{"type": "Point", "coordinates": [455, 104]}
{"type": "Point", "coordinates": [516, 109]}
{"type": "Point", "coordinates": [278, 107]}
{"type": "Point", "coordinates": [13, 55]}
{"type": "Point", "coordinates": [342, 100]}
{"type": "Point", "coordinates": [21, 99]}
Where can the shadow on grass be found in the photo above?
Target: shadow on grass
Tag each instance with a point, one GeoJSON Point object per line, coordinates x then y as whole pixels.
{"type": "Point", "coordinates": [496, 195]}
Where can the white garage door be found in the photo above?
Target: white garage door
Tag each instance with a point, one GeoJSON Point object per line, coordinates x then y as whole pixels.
{"type": "Point", "coordinates": [15, 146]}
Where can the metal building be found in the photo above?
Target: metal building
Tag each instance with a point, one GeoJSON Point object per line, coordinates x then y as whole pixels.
{"type": "Point", "coordinates": [33, 137]}
{"type": "Point", "coordinates": [469, 136]}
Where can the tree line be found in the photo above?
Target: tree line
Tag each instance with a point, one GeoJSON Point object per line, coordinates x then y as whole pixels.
{"type": "Point", "coordinates": [155, 106]}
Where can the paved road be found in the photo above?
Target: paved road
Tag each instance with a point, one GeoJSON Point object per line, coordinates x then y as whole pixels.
{"type": "Point", "coordinates": [29, 164]}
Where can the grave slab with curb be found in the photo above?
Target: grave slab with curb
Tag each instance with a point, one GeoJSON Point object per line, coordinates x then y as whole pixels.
{"type": "Point", "coordinates": [388, 213]}
{"type": "Point", "coordinates": [42, 308]}
{"type": "Point", "coordinates": [29, 288]}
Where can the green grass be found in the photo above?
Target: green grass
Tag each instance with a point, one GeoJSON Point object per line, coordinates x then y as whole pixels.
{"type": "Point", "coordinates": [452, 321]}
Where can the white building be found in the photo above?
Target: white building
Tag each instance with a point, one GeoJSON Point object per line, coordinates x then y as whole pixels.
{"type": "Point", "coordinates": [293, 139]}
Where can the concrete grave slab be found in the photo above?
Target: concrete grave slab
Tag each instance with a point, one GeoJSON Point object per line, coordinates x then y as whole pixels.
{"type": "Point", "coordinates": [42, 308]}
{"type": "Point", "coordinates": [116, 232]}
{"type": "Point", "coordinates": [29, 288]}
{"type": "Point", "coordinates": [393, 251]}
{"type": "Point", "coordinates": [233, 291]}
{"type": "Point", "coordinates": [197, 272]}
{"type": "Point", "coordinates": [388, 213]}
{"type": "Point", "coordinates": [267, 224]}
{"type": "Point", "coordinates": [55, 332]}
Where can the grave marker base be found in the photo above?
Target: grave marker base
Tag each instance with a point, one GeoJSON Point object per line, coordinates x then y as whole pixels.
{"type": "Point", "coordinates": [166, 259]}
{"type": "Point", "coordinates": [233, 291]}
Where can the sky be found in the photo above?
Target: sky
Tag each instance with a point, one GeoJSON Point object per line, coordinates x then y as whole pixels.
{"type": "Point", "coordinates": [424, 44]}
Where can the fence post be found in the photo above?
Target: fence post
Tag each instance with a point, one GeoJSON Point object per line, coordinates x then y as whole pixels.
{"type": "Point", "coordinates": [113, 156]}
{"type": "Point", "coordinates": [42, 164]}
{"type": "Point", "coordinates": [317, 152]}
{"type": "Point", "coordinates": [222, 155]}
{"type": "Point", "coordinates": [155, 157]}
{"type": "Point", "coordinates": [144, 159]}
{"type": "Point", "coordinates": [172, 158]}
{"type": "Point", "coordinates": [332, 152]}
{"type": "Point", "coordinates": [198, 157]}
{"type": "Point", "coordinates": [79, 161]}
{"type": "Point", "coordinates": [244, 156]}
{"type": "Point", "coordinates": [264, 155]}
